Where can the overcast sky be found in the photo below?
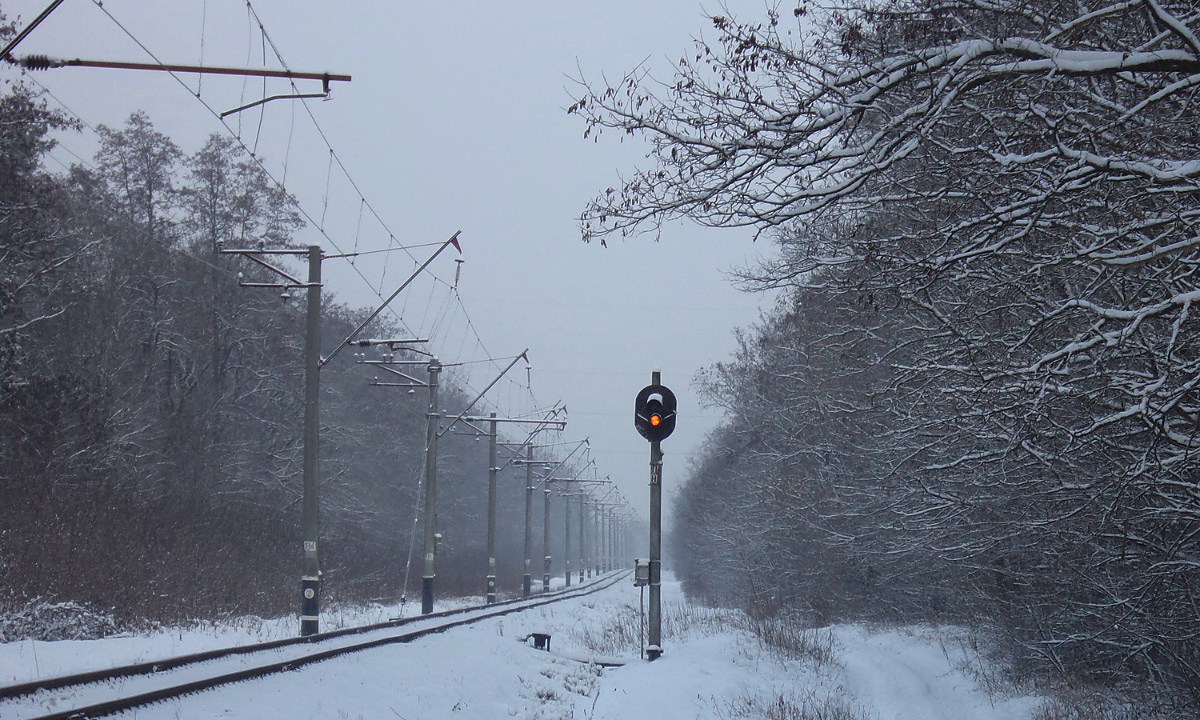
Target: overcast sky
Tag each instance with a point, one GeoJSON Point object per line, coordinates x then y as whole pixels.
{"type": "Point", "coordinates": [454, 121]}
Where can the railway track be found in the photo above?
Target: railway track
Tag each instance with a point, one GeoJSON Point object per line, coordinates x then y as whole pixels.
{"type": "Point", "coordinates": [105, 692]}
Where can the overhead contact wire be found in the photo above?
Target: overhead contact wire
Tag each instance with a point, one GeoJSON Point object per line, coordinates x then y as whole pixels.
{"type": "Point", "coordinates": [258, 161]}
{"type": "Point", "coordinates": [334, 158]}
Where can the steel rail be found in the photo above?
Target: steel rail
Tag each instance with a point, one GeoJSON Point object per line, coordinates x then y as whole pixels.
{"type": "Point", "coordinates": [12, 692]}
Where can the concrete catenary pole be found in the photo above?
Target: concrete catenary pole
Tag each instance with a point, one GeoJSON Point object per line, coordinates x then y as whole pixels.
{"type": "Point", "coordinates": [583, 556]}
{"type": "Point", "coordinates": [546, 538]}
{"type": "Point", "coordinates": [567, 543]}
{"type": "Point", "coordinates": [491, 528]}
{"type": "Point", "coordinates": [597, 534]}
{"type": "Point", "coordinates": [622, 532]}
{"type": "Point", "coordinates": [612, 539]}
{"type": "Point", "coordinates": [431, 435]}
{"type": "Point", "coordinates": [310, 581]}
{"type": "Point", "coordinates": [527, 578]}
{"type": "Point", "coordinates": [607, 540]}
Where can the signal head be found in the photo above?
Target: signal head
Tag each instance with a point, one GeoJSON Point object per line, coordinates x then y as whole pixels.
{"type": "Point", "coordinates": [654, 412]}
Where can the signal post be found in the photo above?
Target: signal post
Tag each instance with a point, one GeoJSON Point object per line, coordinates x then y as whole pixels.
{"type": "Point", "coordinates": [654, 418]}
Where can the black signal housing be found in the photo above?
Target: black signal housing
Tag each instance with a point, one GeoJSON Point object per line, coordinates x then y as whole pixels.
{"type": "Point", "coordinates": [654, 412]}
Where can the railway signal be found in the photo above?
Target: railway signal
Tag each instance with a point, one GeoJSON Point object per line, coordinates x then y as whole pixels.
{"type": "Point", "coordinates": [654, 418]}
{"type": "Point", "coordinates": [654, 412]}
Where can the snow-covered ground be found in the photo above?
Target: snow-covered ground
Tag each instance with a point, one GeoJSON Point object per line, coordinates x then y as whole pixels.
{"type": "Point", "coordinates": [710, 669]}
{"type": "Point", "coordinates": [30, 660]}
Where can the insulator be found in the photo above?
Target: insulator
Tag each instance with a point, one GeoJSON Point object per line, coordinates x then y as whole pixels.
{"type": "Point", "coordinates": [36, 62]}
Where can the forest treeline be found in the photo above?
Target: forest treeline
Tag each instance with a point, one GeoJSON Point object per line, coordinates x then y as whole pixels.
{"type": "Point", "coordinates": [151, 409]}
{"type": "Point", "coordinates": [977, 400]}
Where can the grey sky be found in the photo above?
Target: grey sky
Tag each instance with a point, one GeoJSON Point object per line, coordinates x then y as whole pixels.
{"type": "Point", "coordinates": [454, 121]}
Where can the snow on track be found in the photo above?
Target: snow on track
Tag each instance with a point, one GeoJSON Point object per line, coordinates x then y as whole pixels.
{"type": "Point", "coordinates": [485, 671]}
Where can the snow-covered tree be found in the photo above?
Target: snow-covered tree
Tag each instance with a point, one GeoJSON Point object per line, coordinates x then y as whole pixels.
{"type": "Point", "coordinates": [1024, 179]}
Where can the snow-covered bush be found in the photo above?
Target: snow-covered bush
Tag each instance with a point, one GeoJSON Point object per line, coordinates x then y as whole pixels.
{"type": "Point", "coordinates": [683, 620]}
{"type": "Point", "coordinates": [624, 628]}
{"type": "Point", "coordinates": [1086, 708]}
{"type": "Point", "coordinates": [794, 706]}
{"type": "Point", "coordinates": [618, 635]}
{"type": "Point", "coordinates": [40, 619]}
{"type": "Point", "coordinates": [794, 640]}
